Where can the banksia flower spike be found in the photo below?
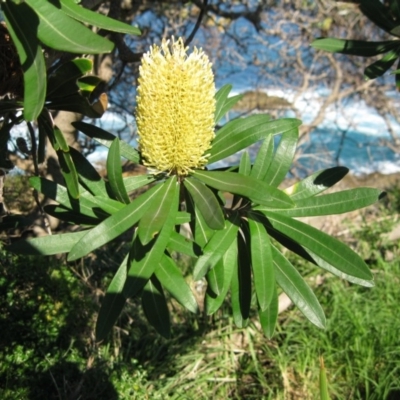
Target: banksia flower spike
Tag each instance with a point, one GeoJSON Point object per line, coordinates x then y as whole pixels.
{"type": "Point", "coordinates": [175, 108]}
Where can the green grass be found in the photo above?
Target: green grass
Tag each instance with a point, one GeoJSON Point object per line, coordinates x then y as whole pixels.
{"type": "Point", "coordinates": [47, 348]}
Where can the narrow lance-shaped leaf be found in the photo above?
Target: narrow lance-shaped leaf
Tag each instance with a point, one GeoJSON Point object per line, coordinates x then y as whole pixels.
{"type": "Point", "coordinates": [263, 159]}
{"type": "Point", "coordinates": [200, 230]}
{"type": "Point", "coordinates": [378, 14]}
{"type": "Point", "coordinates": [60, 194]}
{"type": "Point", "coordinates": [332, 203]}
{"type": "Point", "coordinates": [171, 278]}
{"type": "Point", "coordinates": [155, 307]}
{"type": "Point", "coordinates": [269, 316]}
{"type": "Point", "coordinates": [223, 102]}
{"type": "Point", "coordinates": [229, 261]}
{"type": "Point", "coordinates": [159, 211]}
{"type": "Point", "coordinates": [114, 225]}
{"type": "Point", "coordinates": [316, 183]}
{"type": "Point", "coordinates": [354, 47]}
{"type": "Point", "coordinates": [241, 286]}
{"type": "Point", "coordinates": [183, 245]}
{"type": "Point", "coordinates": [257, 191]}
{"type": "Point", "coordinates": [378, 68]}
{"type": "Point", "coordinates": [92, 18]}
{"type": "Point", "coordinates": [136, 182]}
{"type": "Point", "coordinates": [114, 171]}
{"type": "Point", "coordinates": [329, 249]}
{"type": "Point", "coordinates": [215, 278]}
{"type": "Point", "coordinates": [297, 289]}
{"type": "Point", "coordinates": [106, 138]}
{"type": "Point", "coordinates": [216, 247]}
{"type": "Point", "coordinates": [261, 262]}
{"type": "Point", "coordinates": [241, 133]}
{"type": "Point", "coordinates": [69, 172]}
{"type": "Point", "coordinates": [283, 158]}
{"type": "Point", "coordinates": [47, 245]}
{"type": "Point", "coordinates": [63, 80]}
{"type": "Point", "coordinates": [112, 303]}
{"type": "Point", "coordinates": [30, 55]}
{"type": "Point", "coordinates": [206, 203]}
{"type": "Point", "coordinates": [330, 268]}
{"type": "Point", "coordinates": [58, 31]}
{"type": "Point", "coordinates": [88, 175]}
{"type": "Point", "coordinates": [245, 164]}
{"type": "Point", "coordinates": [145, 259]}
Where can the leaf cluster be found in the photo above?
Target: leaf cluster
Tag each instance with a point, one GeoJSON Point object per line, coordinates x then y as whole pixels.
{"type": "Point", "coordinates": [386, 17]}
{"type": "Point", "coordinates": [234, 222]}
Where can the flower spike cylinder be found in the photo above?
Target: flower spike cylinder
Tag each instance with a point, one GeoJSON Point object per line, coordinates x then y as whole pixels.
{"type": "Point", "coordinates": [175, 108]}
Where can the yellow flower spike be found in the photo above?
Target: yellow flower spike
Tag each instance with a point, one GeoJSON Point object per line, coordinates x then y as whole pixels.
{"type": "Point", "coordinates": [175, 108]}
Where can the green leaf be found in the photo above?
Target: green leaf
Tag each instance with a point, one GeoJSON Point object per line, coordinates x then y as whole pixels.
{"type": "Point", "coordinates": [206, 203]}
{"type": "Point", "coordinates": [112, 303]}
{"type": "Point", "coordinates": [379, 67]}
{"type": "Point", "coordinates": [263, 159]}
{"type": "Point", "coordinates": [378, 14]}
{"type": "Point", "coordinates": [88, 175]}
{"type": "Point", "coordinates": [200, 230]}
{"type": "Point", "coordinates": [316, 183]}
{"type": "Point", "coordinates": [136, 182]}
{"type": "Point", "coordinates": [155, 307]}
{"type": "Point", "coordinates": [216, 247]}
{"type": "Point", "coordinates": [229, 261]}
{"type": "Point", "coordinates": [328, 267]}
{"type": "Point", "coordinates": [77, 103]}
{"type": "Point", "coordinates": [30, 55]}
{"type": "Point", "coordinates": [106, 204]}
{"type": "Point", "coordinates": [92, 18]}
{"type": "Point", "coordinates": [183, 245]}
{"type": "Point", "coordinates": [241, 133]}
{"type": "Point", "coordinates": [63, 80]}
{"type": "Point", "coordinates": [215, 278]}
{"type": "Point", "coordinates": [60, 194]}
{"type": "Point", "coordinates": [283, 158]}
{"type": "Point", "coordinates": [72, 217]}
{"type": "Point", "coordinates": [69, 172]}
{"type": "Point", "coordinates": [261, 262]}
{"type": "Point", "coordinates": [114, 225]}
{"type": "Point", "coordinates": [145, 259]}
{"type": "Point", "coordinates": [241, 286]}
{"type": "Point", "coordinates": [171, 278]}
{"type": "Point", "coordinates": [354, 47]}
{"type": "Point", "coordinates": [332, 203]}
{"type": "Point", "coordinates": [269, 317]}
{"type": "Point", "coordinates": [223, 103]}
{"type": "Point", "coordinates": [114, 173]}
{"type": "Point", "coordinates": [47, 245]}
{"type": "Point", "coordinates": [257, 191]}
{"type": "Point", "coordinates": [245, 164]}
{"type": "Point", "coordinates": [159, 211]}
{"type": "Point", "coordinates": [297, 289]}
{"type": "Point", "coordinates": [329, 249]}
{"type": "Point", "coordinates": [60, 32]}
{"type": "Point", "coordinates": [105, 138]}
